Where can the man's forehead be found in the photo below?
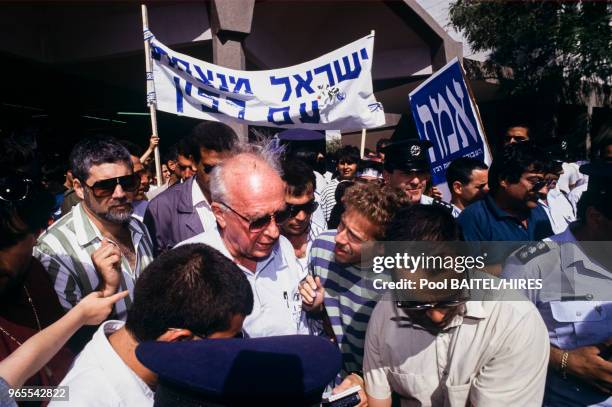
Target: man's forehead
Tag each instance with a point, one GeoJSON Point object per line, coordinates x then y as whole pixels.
{"type": "Point", "coordinates": [109, 170]}
{"type": "Point", "coordinates": [299, 199]}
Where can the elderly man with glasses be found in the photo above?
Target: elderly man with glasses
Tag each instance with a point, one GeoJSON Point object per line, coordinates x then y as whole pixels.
{"type": "Point", "coordinates": [248, 201]}
{"type": "Point", "coordinates": [98, 245]}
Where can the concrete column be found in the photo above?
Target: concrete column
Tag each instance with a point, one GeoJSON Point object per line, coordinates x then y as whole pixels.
{"type": "Point", "coordinates": [230, 22]}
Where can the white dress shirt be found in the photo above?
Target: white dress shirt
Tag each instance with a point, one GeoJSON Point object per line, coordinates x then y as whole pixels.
{"type": "Point", "coordinates": [99, 377]}
{"type": "Point", "coordinates": [201, 205]}
{"type": "Point", "coordinates": [496, 354]}
{"type": "Point", "coordinates": [575, 195]}
{"type": "Point", "coordinates": [558, 209]}
{"type": "Point", "coordinates": [277, 308]}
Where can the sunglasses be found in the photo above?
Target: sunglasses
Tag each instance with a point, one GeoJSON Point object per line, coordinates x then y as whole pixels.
{"type": "Point", "coordinates": [106, 187]}
{"type": "Point", "coordinates": [423, 306]}
{"type": "Point", "coordinates": [308, 207]}
{"type": "Point", "coordinates": [14, 188]}
{"type": "Point", "coordinates": [208, 168]}
{"type": "Point", "coordinates": [259, 224]}
{"type": "Point", "coordinates": [537, 183]}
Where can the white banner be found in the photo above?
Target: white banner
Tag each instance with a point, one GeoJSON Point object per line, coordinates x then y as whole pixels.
{"type": "Point", "coordinates": [331, 92]}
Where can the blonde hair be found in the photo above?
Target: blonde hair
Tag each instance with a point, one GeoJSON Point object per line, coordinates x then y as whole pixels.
{"type": "Point", "coordinates": [375, 202]}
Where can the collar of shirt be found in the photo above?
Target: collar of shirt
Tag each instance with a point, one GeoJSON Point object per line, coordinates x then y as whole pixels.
{"type": "Point", "coordinates": [572, 254]}
{"type": "Point", "coordinates": [426, 200]}
{"type": "Point", "coordinates": [86, 232]}
{"type": "Point", "coordinates": [130, 388]}
{"type": "Point", "coordinates": [197, 196]}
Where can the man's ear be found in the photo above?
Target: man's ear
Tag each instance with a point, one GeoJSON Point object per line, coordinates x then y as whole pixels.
{"type": "Point", "coordinates": [386, 176]}
{"type": "Point", "coordinates": [176, 335]}
{"type": "Point", "coordinates": [457, 187]}
{"type": "Point", "coordinates": [219, 213]}
{"type": "Point", "coordinates": [78, 188]}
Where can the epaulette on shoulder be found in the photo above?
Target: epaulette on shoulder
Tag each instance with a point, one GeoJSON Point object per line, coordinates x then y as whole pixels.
{"type": "Point", "coordinates": [531, 251]}
{"type": "Point", "coordinates": [445, 205]}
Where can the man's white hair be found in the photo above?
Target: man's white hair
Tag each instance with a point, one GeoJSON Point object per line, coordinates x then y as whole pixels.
{"type": "Point", "coordinates": [218, 187]}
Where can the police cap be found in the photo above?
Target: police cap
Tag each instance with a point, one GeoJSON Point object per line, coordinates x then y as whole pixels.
{"type": "Point", "coordinates": [407, 155]}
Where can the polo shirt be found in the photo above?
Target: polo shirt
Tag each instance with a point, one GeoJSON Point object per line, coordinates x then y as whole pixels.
{"type": "Point", "coordinates": [65, 251]}
{"type": "Point", "coordinates": [277, 305]}
{"type": "Point", "coordinates": [485, 221]}
{"type": "Point", "coordinates": [349, 300]}
{"type": "Point", "coordinates": [99, 377]}
{"type": "Point", "coordinates": [495, 354]}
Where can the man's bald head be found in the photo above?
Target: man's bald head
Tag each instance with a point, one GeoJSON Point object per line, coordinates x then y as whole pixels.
{"type": "Point", "coordinates": [246, 176]}
{"type": "Point", "coordinates": [244, 188]}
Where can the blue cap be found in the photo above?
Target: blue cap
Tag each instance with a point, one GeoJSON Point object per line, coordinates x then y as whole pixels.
{"type": "Point", "coordinates": [282, 370]}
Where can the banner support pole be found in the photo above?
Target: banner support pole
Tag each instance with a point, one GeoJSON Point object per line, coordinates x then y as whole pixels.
{"type": "Point", "coordinates": [150, 86]}
{"type": "Point", "coordinates": [363, 142]}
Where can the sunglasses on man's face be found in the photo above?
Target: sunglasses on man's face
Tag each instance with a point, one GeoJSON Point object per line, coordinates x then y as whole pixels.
{"type": "Point", "coordinates": [14, 188]}
{"type": "Point", "coordinates": [208, 168]}
{"type": "Point", "coordinates": [308, 208]}
{"type": "Point", "coordinates": [423, 306]}
{"type": "Point", "coordinates": [259, 224]}
{"type": "Point", "coordinates": [106, 187]}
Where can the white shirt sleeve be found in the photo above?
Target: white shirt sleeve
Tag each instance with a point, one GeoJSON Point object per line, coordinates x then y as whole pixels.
{"type": "Point", "coordinates": [516, 376]}
{"type": "Point", "coordinates": [375, 369]}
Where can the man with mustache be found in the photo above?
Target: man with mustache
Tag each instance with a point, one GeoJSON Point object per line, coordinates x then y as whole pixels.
{"type": "Point", "coordinates": [99, 245]}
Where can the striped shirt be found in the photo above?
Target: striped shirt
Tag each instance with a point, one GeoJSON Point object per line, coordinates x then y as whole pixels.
{"type": "Point", "coordinates": [328, 198]}
{"type": "Point", "coordinates": [65, 251]}
{"type": "Point", "coordinates": [348, 300]}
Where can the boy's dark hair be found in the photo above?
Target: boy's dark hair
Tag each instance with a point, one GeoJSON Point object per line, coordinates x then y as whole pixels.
{"type": "Point", "coordinates": [96, 151]}
{"type": "Point", "coordinates": [133, 148]}
{"type": "Point", "coordinates": [299, 177]}
{"type": "Point", "coordinates": [192, 287]}
{"type": "Point", "coordinates": [348, 154]}
{"type": "Point", "coordinates": [460, 169]}
{"type": "Point", "coordinates": [171, 154]}
{"type": "Point", "coordinates": [514, 160]}
{"type": "Point", "coordinates": [423, 222]}
{"type": "Point", "coordinates": [215, 136]}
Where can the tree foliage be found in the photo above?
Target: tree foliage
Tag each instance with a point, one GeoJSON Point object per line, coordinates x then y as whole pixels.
{"type": "Point", "coordinates": [561, 50]}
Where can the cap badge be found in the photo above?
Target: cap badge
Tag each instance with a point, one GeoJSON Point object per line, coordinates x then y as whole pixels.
{"type": "Point", "coordinates": [415, 150]}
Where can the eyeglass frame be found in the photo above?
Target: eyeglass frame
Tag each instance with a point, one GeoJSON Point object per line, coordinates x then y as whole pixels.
{"type": "Point", "coordinates": [431, 305]}
{"type": "Point", "coordinates": [250, 222]}
{"type": "Point", "coordinates": [133, 175]}
{"type": "Point", "coordinates": [293, 207]}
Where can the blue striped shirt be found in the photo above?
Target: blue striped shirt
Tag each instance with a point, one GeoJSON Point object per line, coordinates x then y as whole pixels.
{"type": "Point", "coordinates": [348, 301]}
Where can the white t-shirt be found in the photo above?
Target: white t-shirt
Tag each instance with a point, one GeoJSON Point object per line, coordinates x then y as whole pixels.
{"type": "Point", "coordinates": [99, 377]}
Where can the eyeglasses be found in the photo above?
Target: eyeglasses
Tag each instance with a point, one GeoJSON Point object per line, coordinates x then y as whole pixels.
{"type": "Point", "coordinates": [259, 224]}
{"type": "Point", "coordinates": [14, 188]}
{"type": "Point", "coordinates": [208, 168]}
{"type": "Point", "coordinates": [422, 306]}
{"type": "Point", "coordinates": [308, 207]}
{"type": "Point", "coordinates": [106, 187]}
{"type": "Point", "coordinates": [537, 183]}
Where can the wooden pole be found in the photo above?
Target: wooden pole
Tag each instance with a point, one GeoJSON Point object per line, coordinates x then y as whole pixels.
{"type": "Point", "coordinates": [151, 90]}
{"type": "Point", "coordinates": [363, 140]}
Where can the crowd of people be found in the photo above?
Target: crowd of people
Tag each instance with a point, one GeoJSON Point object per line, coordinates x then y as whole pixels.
{"type": "Point", "coordinates": [241, 279]}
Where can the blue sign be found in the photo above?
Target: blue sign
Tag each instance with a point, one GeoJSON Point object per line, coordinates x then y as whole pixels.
{"type": "Point", "coordinates": [445, 115]}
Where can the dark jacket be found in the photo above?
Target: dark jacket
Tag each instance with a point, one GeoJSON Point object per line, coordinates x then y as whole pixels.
{"type": "Point", "coordinates": [171, 217]}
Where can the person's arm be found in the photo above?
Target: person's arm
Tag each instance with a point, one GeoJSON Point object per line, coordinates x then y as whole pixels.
{"type": "Point", "coordinates": [377, 386]}
{"type": "Point", "coordinates": [36, 352]}
{"type": "Point", "coordinates": [516, 374]}
{"type": "Point", "coordinates": [153, 142]}
{"type": "Point", "coordinates": [586, 364]}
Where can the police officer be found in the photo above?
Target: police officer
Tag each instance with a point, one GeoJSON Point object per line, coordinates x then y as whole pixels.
{"type": "Point", "coordinates": [407, 167]}
{"type": "Point", "coordinates": [576, 271]}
